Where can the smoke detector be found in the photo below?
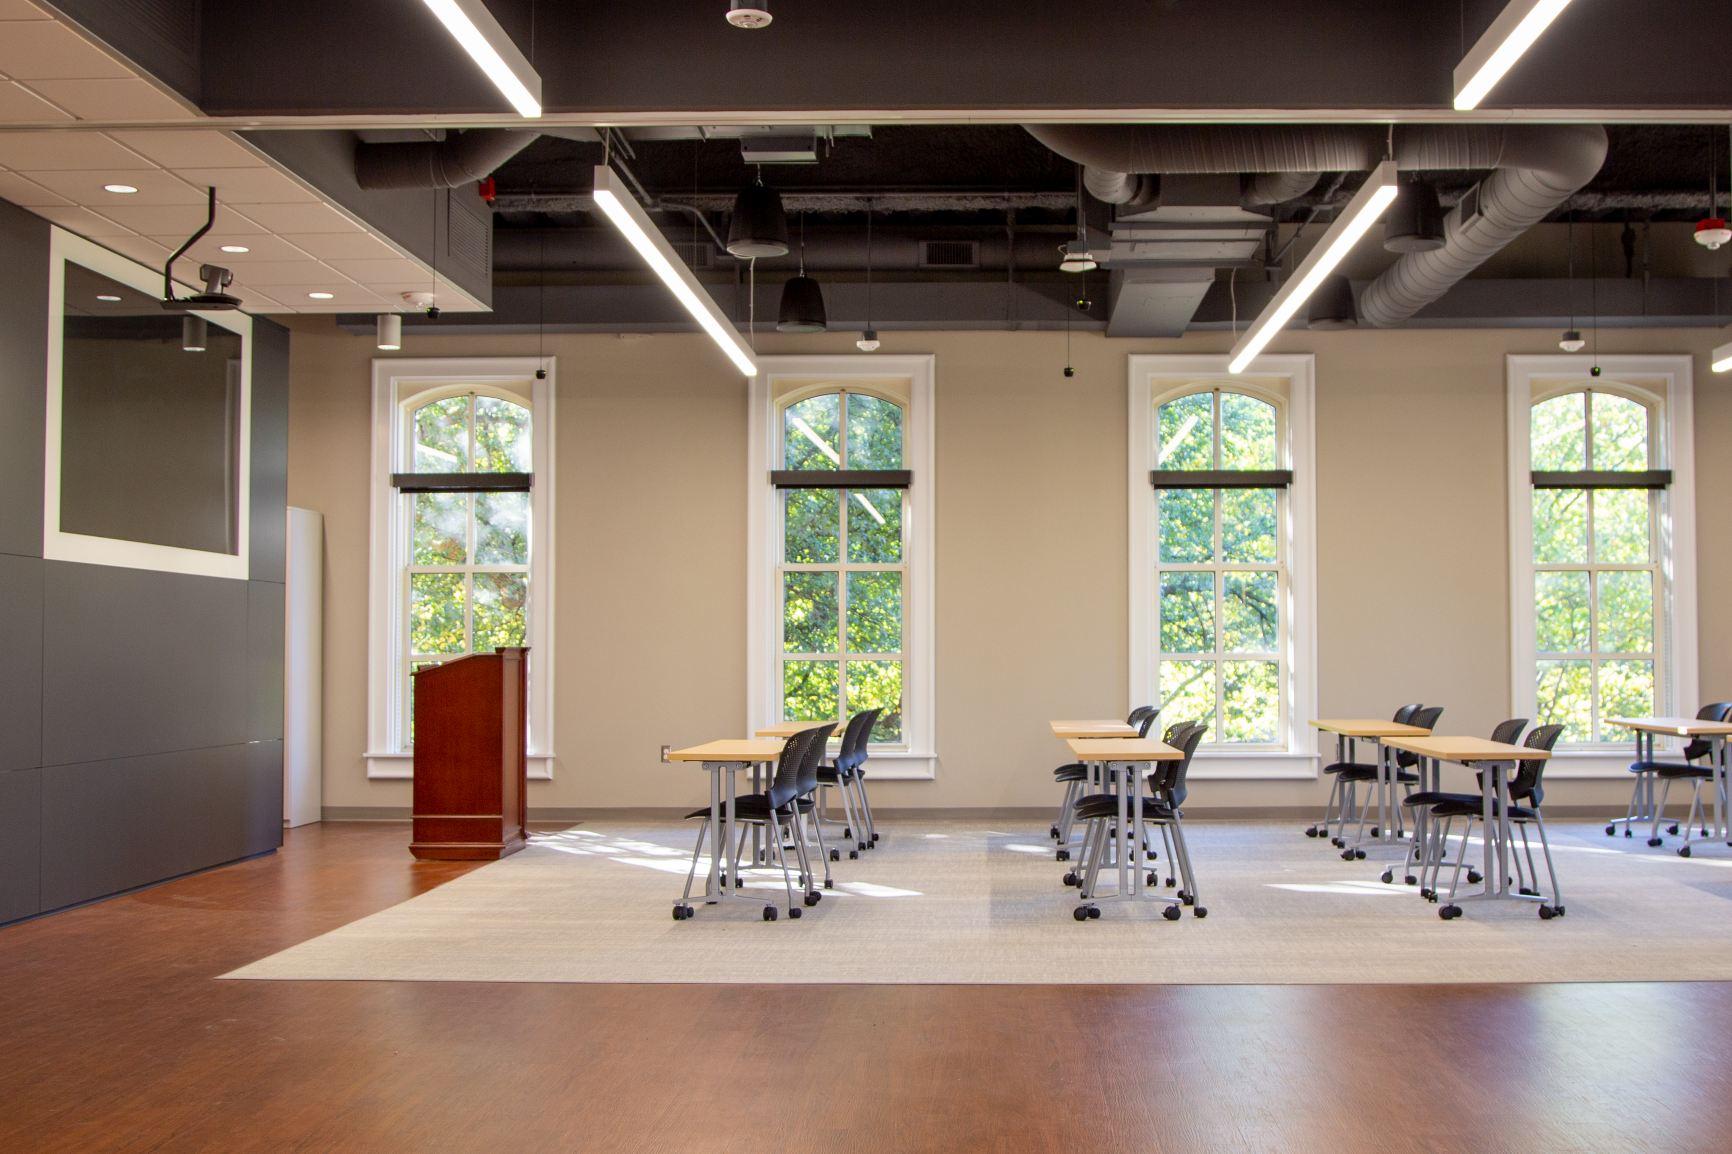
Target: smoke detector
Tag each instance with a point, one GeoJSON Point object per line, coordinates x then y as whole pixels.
{"type": "Point", "coordinates": [742, 17]}
{"type": "Point", "coordinates": [1712, 233]}
{"type": "Point", "coordinates": [419, 300]}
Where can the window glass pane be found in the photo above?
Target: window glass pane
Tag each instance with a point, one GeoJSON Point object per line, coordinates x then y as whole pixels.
{"type": "Point", "coordinates": [809, 613]}
{"type": "Point", "coordinates": [1250, 700]}
{"type": "Point", "coordinates": [500, 599]}
{"type": "Point", "coordinates": [1561, 612]}
{"type": "Point", "coordinates": [812, 433]}
{"type": "Point", "coordinates": [1249, 613]}
{"type": "Point", "coordinates": [441, 529]}
{"type": "Point", "coordinates": [874, 433]}
{"type": "Point", "coordinates": [1187, 526]}
{"type": "Point", "coordinates": [877, 685]}
{"type": "Point", "coordinates": [1560, 526]}
{"type": "Point", "coordinates": [1564, 697]}
{"type": "Point", "coordinates": [874, 612]}
{"type": "Point", "coordinates": [811, 691]}
{"type": "Point", "coordinates": [1187, 612]}
{"type": "Point", "coordinates": [436, 613]}
{"type": "Point", "coordinates": [442, 436]}
{"type": "Point", "coordinates": [811, 530]}
{"type": "Point", "coordinates": [1247, 432]}
{"type": "Point", "coordinates": [1620, 433]}
{"type": "Point", "coordinates": [1626, 612]}
{"type": "Point", "coordinates": [1626, 690]}
{"type": "Point", "coordinates": [1559, 434]}
{"type": "Point", "coordinates": [1248, 525]}
{"type": "Point", "coordinates": [874, 526]}
{"type": "Point", "coordinates": [1187, 433]}
{"type": "Point", "coordinates": [1188, 692]}
{"type": "Point", "coordinates": [502, 528]}
{"type": "Point", "coordinates": [1621, 525]}
{"type": "Point", "coordinates": [501, 436]}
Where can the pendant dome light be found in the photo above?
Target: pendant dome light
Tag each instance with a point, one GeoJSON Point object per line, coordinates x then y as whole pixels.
{"type": "Point", "coordinates": [1415, 220]}
{"type": "Point", "coordinates": [1075, 256]}
{"type": "Point", "coordinates": [802, 298]}
{"type": "Point", "coordinates": [1332, 305]}
{"type": "Point", "coordinates": [759, 227]}
{"type": "Point", "coordinates": [750, 15]}
{"type": "Point", "coordinates": [1712, 232]}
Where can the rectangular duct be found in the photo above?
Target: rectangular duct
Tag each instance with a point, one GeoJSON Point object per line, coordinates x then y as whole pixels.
{"type": "Point", "coordinates": [1155, 302]}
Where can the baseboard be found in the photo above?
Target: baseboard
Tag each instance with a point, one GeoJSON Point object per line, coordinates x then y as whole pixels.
{"type": "Point", "coordinates": [364, 813]}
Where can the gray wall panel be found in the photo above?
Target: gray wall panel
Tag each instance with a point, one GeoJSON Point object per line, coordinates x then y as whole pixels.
{"type": "Point", "coordinates": [268, 546]}
{"type": "Point", "coordinates": [138, 662]}
{"type": "Point", "coordinates": [265, 641]}
{"type": "Point", "coordinates": [20, 662]}
{"type": "Point", "coordinates": [23, 371]}
{"type": "Point", "coordinates": [113, 825]}
{"type": "Point", "coordinates": [20, 844]}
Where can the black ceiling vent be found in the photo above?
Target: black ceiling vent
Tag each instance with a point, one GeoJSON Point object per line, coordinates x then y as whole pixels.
{"type": "Point", "coordinates": [950, 254]}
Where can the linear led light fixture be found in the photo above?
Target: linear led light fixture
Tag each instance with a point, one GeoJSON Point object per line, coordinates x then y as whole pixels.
{"type": "Point", "coordinates": [1360, 214]}
{"type": "Point", "coordinates": [1720, 360]}
{"type": "Point", "coordinates": [1510, 35]}
{"type": "Point", "coordinates": [612, 198]}
{"type": "Point", "coordinates": [488, 45]}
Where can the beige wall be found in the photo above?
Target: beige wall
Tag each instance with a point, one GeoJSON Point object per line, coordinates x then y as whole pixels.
{"type": "Point", "coordinates": [1031, 585]}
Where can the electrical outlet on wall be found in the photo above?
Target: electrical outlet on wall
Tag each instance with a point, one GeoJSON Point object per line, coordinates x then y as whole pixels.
{"type": "Point", "coordinates": [666, 749]}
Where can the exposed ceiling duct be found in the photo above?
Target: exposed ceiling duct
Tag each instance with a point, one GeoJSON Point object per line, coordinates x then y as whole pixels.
{"type": "Point", "coordinates": [1538, 168]}
{"type": "Point", "coordinates": [461, 158]}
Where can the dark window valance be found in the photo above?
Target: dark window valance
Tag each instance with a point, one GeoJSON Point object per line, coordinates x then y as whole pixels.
{"type": "Point", "coordinates": [462, 482]}
{"type": "Point", "coordinates": [1221, 478]}
{"type": "Point", "coordinates": [1596, 479]}
{"type": "Point", "coordinates": [841, 478]}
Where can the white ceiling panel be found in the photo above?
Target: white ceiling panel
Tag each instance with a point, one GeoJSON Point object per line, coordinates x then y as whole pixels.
{"type": "Point", "coordinates": [259, 246]}
{"type": "Point", "coordinates": [191, 149]}
{"type": "Point", "coordinates": [129, 99]}
{"type": "Point", "coordinates": [287, 218]}
{"type": "Point", "coordinates": [83, 222]}
{"type": "Point", "coordinates": [341, 245]}
{"type": "Point", "coordinates": [27, 193]}
{"type": "Point", "coordinates": [85, 186]}
{"type": "Point", "coordinates": [350, 298]}
{"type": "Point", "coordinates": [56, 151]}
{"type": "Point", "coordinates": [47, 50]}
{"type": "Point", "coordinates": [141, 249]}
{"type": "Point", "coordinates": [250, 185]}
{"type": "Point", "coordinates": [378, 271]}
{"type": "Point", "coordinates": [19, 103]}
{"type": "Point", "coordinates": [177, 219]}
{"type": "Point", "coordinates": [294, 272]}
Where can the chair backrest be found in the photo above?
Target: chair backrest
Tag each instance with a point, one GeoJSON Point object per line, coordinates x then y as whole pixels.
{"type": "Point", "coordinates": [1425, 718]}
{"type": "Point", "coordinates": [1136, 716]}
{"type": "Point", "coordinates": [785, 786]}
{"type": "Point", "coordinates": [1147, 723]}
{"type": "Point", "coordinates": [1526, 785]}
{"type": "Point", "coordinates": [1173, 790]}
{"type": "Point", "coordinates": [1506, 732]}
{"type": "Point", "coordinates": [807, 780]}
{"type": "Point", "coordinates": [1701, 747]}
{"type": "Point", "coordinates": [1404, 715]}
{"type": "Point", "coordinates": [854, 737]}
{"type": "Point", "coordinates": [861, 750]}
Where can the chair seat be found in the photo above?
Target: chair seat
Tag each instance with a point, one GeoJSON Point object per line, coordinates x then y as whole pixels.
{"type": "Point", "coordinates": [752, 807]}
{"type": "Point", "coordinates": [1468, 806]}
{"type": "Point", "coordinates": [1106, 805]}
{"type": "Point", "coordinates": [1349, 766]}
{"type": "Point", "coordinates": [1437, 797]}
{"type": "Point", "coordinates": [830, 775]}
{"type": "Point", "coordinates": [1062, 772]}
{"type": "Point", "coordinates": [1673, 769]}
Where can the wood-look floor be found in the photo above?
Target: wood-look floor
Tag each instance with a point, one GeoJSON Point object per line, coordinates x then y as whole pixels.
{"type": "Point", "coordinates": [115, 1037]}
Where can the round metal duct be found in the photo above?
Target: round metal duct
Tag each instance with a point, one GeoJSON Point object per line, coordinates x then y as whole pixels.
{"type": "Point", "coordinates": [1332, 305]}
{"type": "Point", "coordinates": [1414, 222]}
{"type": "Point", "coordinates": [759, 227]}
{"type": "Point", "coordinates": [802, 307]}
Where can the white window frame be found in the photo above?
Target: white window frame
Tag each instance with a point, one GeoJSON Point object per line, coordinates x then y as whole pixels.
{"type": "Point", "coordinates": [763, 603]}
{"type": "Point", "coordinates": [1675, 616]}
{"type": "Point", "coordinates": [398, 383]}
{"type": "Point", "coordinates": [63, 246]}
{"type": "Point", "coordinates": [1297, 756]}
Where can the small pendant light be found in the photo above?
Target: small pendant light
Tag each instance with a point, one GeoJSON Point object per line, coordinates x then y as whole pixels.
{"type": "Point", "coordinates": [802, 298]}
{"type": "Point", "coordinates": [868, 342]}
{"type": "Point", "coordinates": [194, 332]}
{"type": "Point", "coordinates": [759, 227]}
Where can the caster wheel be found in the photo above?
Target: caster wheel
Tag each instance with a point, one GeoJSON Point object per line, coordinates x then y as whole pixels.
{"type": "Point", "coordinates": [1411, 880]}
{"type": "Point", "coordinates": [1449, 913]}
{"type": "Point", "coordinates": [835, 855]}
{"type": "Point", "coordinates": [1171, 913]}
{"type": "Point", "coordinates": [1169, 883]}
{"type": "Point", "coordinates": [1474, 877]}
{"type": "Point", "coordinates": [1052, 833]}
{"type": "Point", "coordinates": [1611, 831]}
{"type": "Point", "coordinates": [847, 833]}
{"type": "Point", "coordinates": [1375, 832]}
{"type": "Point", "coordinates": [1336, 842]}
{"type": "Point", "coordinates": [1094, 911]}
{"type": "Point", "coordinates": [1063, 855]}
{"type": "Point", "coordinates": [853, 855]}
{"type": "Point", "coordinates": [795, 912]}
{"type": "Point", "coordinates": [1388, 877]}
{"type": "Point", "coordinates": [1655, 841]}
{"type": "Point", "coordinates": [1311, 832]}
{"type": "Point", "coordinates": [1546, 914]}
{"type": "Point", "coordinates": [828, 884]}
{"type": "Point", "coordinates": [679, 913]}
{"type": "Point", "coordinates": [1527, 893]}
{"type": "Point", "coordinates": [1684, 852]}
{"type": "Point", "coordinates": [1346, 855]}
{"type": "Point", "coordinates": [1558, 910]}
{"type": "Point", "coordinates": [874, 839]}
{"type": "Point", "coordinates": [860, 845]}
{"type": "Point", "coordinates": [1627, 833]}
{"type": "Point", "coordinates": [1151, 880]}
{"type": "Point", "coordinates": [1188, 899]}
{"type": "Point", "coordinates": [769, 913]}
{"type": "Point", "coordinates": [1148, 855]}
{"type": "Point", "coordinates": [1672, 829]}
{"type": "Point", "coordinates": [1360, 854]}
{"type": "Point", "coordinates": [1081, 913]}
{"type": "Point", "coordinates": [813, 899]}
{"type": "Point", "coordinates": [1070, 879]}
{"type": "Point", "coordinates": [1200, 912]}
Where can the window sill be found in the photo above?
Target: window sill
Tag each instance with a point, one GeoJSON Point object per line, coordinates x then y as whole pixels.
{"type": "Point", "coordinates": [401, 766]}
{"type": "Point", "coordinates": [1253, 765]}
{"type": "Point", "coordinates": [901, 766]}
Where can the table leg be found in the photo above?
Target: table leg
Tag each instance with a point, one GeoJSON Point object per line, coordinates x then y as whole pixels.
{"type": "Point", "coordinates": [1124, 827]}
{"type": "Point", "coordinates": [1504, 849]}
{"type": "Point", "coordinates": [1137, 842]}
{"type": "Point", "coordinates": [733, 882]}
{"type": "Point", "coordinates": [1488, 831]}
{"type": "Point", "coordinates": [713, 887]}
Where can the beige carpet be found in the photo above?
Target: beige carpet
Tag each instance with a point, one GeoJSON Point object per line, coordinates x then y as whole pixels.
{"type": "Point", "coordinates": [964, 902]}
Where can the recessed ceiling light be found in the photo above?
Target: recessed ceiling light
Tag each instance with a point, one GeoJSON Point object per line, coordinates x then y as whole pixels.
{"type": "Point", "coordinates": [321, 296]}
{"type": "Point", "coordinates": [118, 188]}
{"type": "Point", "coordinates": [106, 297]}
{"type": "Point", "coordinates": [236, 248]}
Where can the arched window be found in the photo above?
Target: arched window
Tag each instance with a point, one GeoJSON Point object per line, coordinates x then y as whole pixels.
{"type": "Point", "coordinates": [842, 567]}
{"type": "Point", "coordinates": [1221, 566]}
{"type": "Point", "coordinates": [1596, 560]}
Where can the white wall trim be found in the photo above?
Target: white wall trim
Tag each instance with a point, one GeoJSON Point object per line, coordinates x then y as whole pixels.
{"type": "Point", "coordinates": [1299, 758]}
{"type": "Point", "coordinates": [57, 546]}
{"type": "Point", "coordinates": [919, 687]}
{"type": "Point", "coordinates": [1677, 624]}
{"type": "Point", "coordinates": [385, 756]}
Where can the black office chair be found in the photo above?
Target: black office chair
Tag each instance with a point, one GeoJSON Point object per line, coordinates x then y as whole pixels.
{"type": "Point", "coordinates": [1648, 769]}
{"type": "Point", "coordinates": [1336, 792]}
{"type": "Point", "coordinates": [1428, 854]}
{"type": "Point", "coordinates": [1075, 776]}
{"type": "Point", "coordinates": [1526, 785]}
{"type": "Point", "coordinates": [856, 770]}
{"type": "Point", "coordinates": [1160, 810]}
{"type": "Point", "coordinates": [771, 810]}
{"type": "Point", "coordinates": [841, 776]}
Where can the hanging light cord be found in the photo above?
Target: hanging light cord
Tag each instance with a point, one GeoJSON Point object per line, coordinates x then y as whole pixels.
{"type": "Point", "coordinates": [868, 264]}
{"type": "Point", "coordinates": [752, 302]}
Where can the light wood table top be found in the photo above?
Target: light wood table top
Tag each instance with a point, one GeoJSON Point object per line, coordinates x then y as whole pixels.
{"type": "Point", "coordinates": [1122, 749]}
{"type": "Point", "coordinates": [1106, 728]}
{"type": "Point", "coordinates": [1364, 727]}
{"type": "Point", "coordinates": [1680, 726]}
{"type": "Point", "coordinates": [790, 728]}
{"type": "Point", "coordinates": [730, 749]}
{"type": "Point", "coordinates": [1467, 749]}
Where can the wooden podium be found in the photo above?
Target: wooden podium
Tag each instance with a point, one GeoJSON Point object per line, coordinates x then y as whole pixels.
{"type": "Point", "coordinates": [470, 732]}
